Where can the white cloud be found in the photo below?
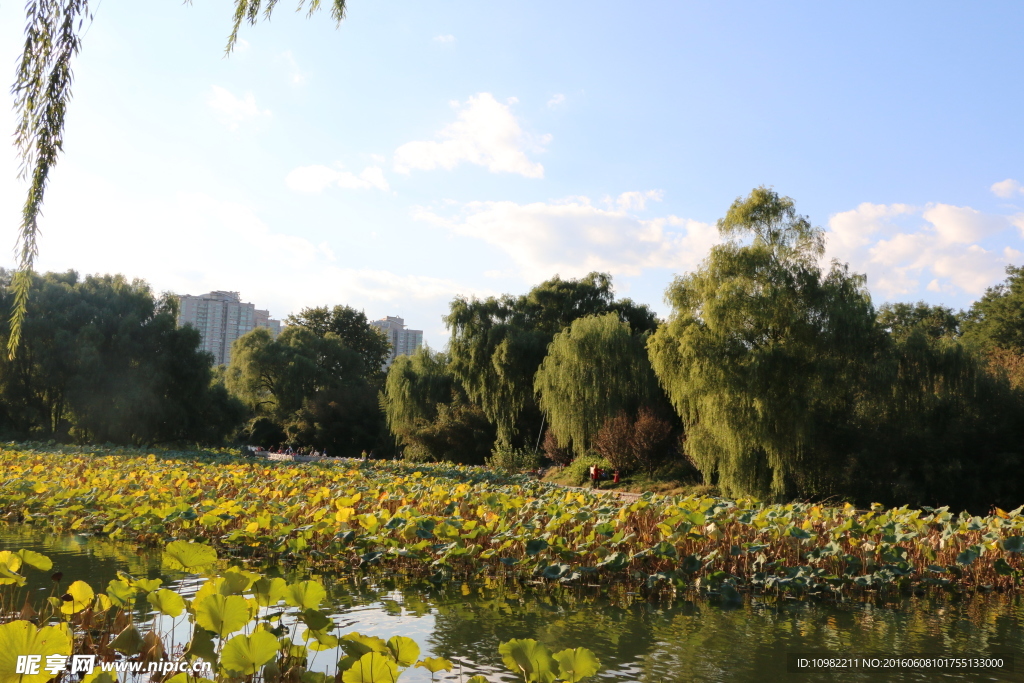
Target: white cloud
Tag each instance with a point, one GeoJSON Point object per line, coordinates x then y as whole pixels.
{"type": "Point", "coordinates": [556, 100]}
{"type": "Point", "coordinates": [232, 110]}
{"type": "Point", "coordinates": [317, 178]}
{"type": "Point", "coordinates": [572, 237]}
{"type": "Point", "coordinates": [900, 247]}
{"type": "Point", "coordinates": [638, 200]}
{"type": "Point", "coordinates": [295, 74]}
{"type": "Point", "coordinates": [449, 38]}
{"type": "Point", "coordinates": [1007, 188]}
{"type": "Point", "coordinates": [485, 133]}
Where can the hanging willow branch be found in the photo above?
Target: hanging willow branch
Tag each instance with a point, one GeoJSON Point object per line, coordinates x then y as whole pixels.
{"type": "Point", "coordinates": [42, 89]}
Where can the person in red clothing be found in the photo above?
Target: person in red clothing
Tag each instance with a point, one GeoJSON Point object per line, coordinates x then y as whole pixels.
{"type": "Point", "coordinates": [615, 479]}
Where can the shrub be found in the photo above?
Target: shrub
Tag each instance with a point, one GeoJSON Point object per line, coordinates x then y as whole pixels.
{"type": "Point", "coordinates": [578, 472]}
{"type": "Point", "coordinates": [626, 443]}
{"type": "Point", "coordinates": [560, 455]}
{"type": "Point", "coordinates": [513, 460]}
{"type": "Point", "coordinates": [614, 442]}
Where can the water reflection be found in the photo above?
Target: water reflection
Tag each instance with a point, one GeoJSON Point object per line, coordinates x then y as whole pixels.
{"type": "Point", "coordinates": [681, 640]}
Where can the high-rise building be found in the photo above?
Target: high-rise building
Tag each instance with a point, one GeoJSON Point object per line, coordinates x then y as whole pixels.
{"type": "Point", "coordinates": [403, 342]}
{"type": "Point", "coordinates": [221, 318]}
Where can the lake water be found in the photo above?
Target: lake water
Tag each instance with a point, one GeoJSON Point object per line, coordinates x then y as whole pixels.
{"type": "Point", "coordinates": [686, 639]}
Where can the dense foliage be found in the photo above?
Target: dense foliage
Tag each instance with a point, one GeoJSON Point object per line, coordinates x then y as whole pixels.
{"type": "Point", "coordinates": [594, 370]}
{"type": "Point", "coordinates": [497, 344]}
{"type": "Point", "coordinates": [102, 360]}
{"type": "Point", "coordinates": [455, 523]}
{"type": "Point", "coordinates": [430, 415]}
{"type": "Point", "coordinates": [307, 388]}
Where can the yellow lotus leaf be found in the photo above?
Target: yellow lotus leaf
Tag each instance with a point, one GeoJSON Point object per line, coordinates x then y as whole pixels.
{"type": "Point", "coordinates": [82, 596]}
{"type": "Point", "coordinates": [18, 638]}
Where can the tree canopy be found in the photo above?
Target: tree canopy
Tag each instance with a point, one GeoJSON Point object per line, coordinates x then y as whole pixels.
{"type": "Point", "coordinates": [594, 369]}
{"type": "Point", "coordinates": [498, 343]}
{"type": "Point", "coordinates": [104, 361]}
{"type": "Point", "coordinates": [351, 326]}
{"type": "Point", "coordinates": [764, 350]}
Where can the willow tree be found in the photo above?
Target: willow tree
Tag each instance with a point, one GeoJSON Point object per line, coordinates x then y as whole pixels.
{"type": "Point", "coordinates": [764, 353]}
{"type": "Point", "coordinates": [594, 370]}
{"type": "Point", "coordinates": [42, 91]}
{"type": "Point", "coordinates": [498, 343]}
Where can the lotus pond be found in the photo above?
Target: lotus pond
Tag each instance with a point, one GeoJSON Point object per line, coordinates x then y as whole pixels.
{"type": "Point", "coordinates": [665, 640]}
{"type": "Point", "coordinates": [463, 561]}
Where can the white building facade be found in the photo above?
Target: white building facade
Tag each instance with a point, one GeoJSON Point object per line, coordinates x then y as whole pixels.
{"type": "Point", "coordinates": [403, 342]}
{"type": "Point", "coordinates": [221, 318]}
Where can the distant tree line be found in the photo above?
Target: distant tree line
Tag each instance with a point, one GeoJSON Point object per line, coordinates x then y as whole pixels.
{"type": "Point", "coordinates": [773, 377]}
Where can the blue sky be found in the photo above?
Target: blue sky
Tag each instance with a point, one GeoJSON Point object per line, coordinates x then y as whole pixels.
{"type": "Point", "coordinates": [424, 151]}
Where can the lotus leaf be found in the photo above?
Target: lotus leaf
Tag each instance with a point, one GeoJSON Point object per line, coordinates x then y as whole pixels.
{"type": "Point", "coordinates": [404, 650]}
{"type": "Point", "coordinates": [81, 598]}
{"type": "Point", "coordinates": [305, 594]}
{"type": "Point", "coordinates": [269, 591]}
{"type": "Point", "coordinates": [189, 557]}
{"type": "Point", "coordinates": [128, 641]}
{"type": "Point", "coordinates": [25, 638]}
{"type": "Point", "coordinates": [244, 655]}
{"type": "Point", "coordinates": [529, 658]}
{"type": "Point", "coordinates": [435, 664]}
{"type": "Point", "coordinates": [167, 602]}
{"type": "Point", "coordinates": [576, 664]}
{"type": "Point", "coordinates": [373, 667]}
{"type": "Point", "coordinates": [224, 614]}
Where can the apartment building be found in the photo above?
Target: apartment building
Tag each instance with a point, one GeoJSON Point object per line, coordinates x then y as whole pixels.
{"type": "Point", "coordinates": [221, 318]}
{"type": "Point", "coordinates": [404, 342]}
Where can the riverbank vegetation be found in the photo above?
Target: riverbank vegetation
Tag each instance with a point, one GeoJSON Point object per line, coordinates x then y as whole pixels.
{"type": "Point", "coordinates": [449, 523]}
{"type": "Point", "coordinates": [774, 378]}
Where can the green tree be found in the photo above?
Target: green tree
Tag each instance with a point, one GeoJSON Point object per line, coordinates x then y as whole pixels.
{"type": "Point", "coordinates": [352, 327]}
{"type": "Point", "coordinates": [314, 388]}
{"type": "Point", "coordinates": [498, 343]}
{"type": "Point", "coordinates": [104, 361]}
{"type": "Point", "coordinates": [429, 414]}
{"type": "Point", "coordinates": [996, 320]}
{"type": "Point", "coordinates": [900, 319]}
{"type": "Point", "coordinates": [42, 91]}
{"type": "Point", "coordinates": [764, 354]}
{"type": "Point", "coordinates": [593, 370]}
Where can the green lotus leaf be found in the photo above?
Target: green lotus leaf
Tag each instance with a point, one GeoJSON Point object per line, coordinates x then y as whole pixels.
{"type": "Point", "coordinates": [269, 591]}
{"type": "Point", "coordinates": [236, 581]}
{"type": "Point", "coordinates": [316, 620]}
{"type": "Point", "coordinates": [477, 679]}
{"type": "Point", "coordinates": [435, 664]}
{"type": "Point", "coordinates": [1002, 567]}
{"type": "Point", "coordinates": [576, 664]}
{"type": "Point", "coordinates": [10, 560]}
{"type": "Point", "coordinates": [356, 644]}
{"type": "Point", "coordinates": [224, 614]}
{"type": "Point", "coordinates": [167, 601]}
{"type": "Point", "coordinates": [189, 557]}
{"type": "Point", "coordinates": [967, 557]}
{"type": "Point", "coordinates": [147, 585]}
{"type": "Point", "coordinates": [1013, 544]}
{"type": "Point", "coordinates": [528, 657]}
{"type": "Point", "coordinates": [373, 667]}
{"type": "Point", "coordinates": [25, 638]}
{"type": "Point", "coordinates": [321, 640]}
{"type": "Point", "coordinates": [202, 646]}
{"type": "Point", "coordinates": [128, 641]}
{"type": "Point", "coordinates": [404, 650]}
{"type": "Point", "coordinates": [121, 592]}
{"type": "Point", "coordinates": [537, 545]}
{"type": "Point", "coordinates": [81, 598]}
{"type": "Point", "coordinates": [36, 560]}
{"type": "Point", "coordinates": [246, 654]}
{"type": "Point", "coordinates": [313, 677]}
{"type": "Point", "coordinates": [305, 594]}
